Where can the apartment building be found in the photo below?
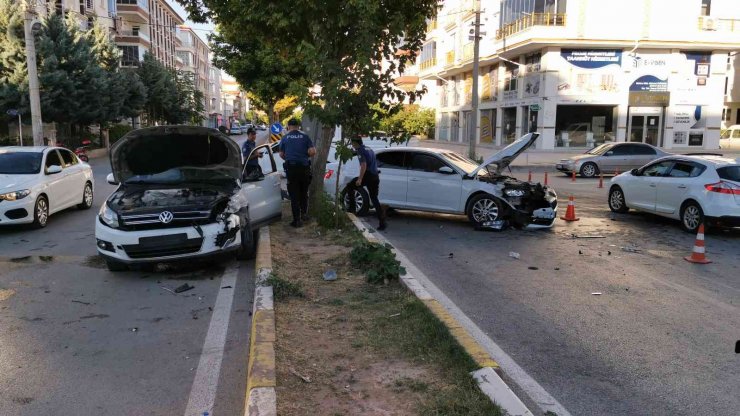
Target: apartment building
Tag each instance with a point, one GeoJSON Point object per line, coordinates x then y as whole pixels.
{"type": "Point", "coordinates": [214, 104]}
{"type": "Point", "coordinates": [235, 103]}
{"type": "Point", "coordinates": [731, 111]}
{"type": "Point", "coordinates": [193, 56]}
{"type": "Point", "coordinates": [585, 72]}
{"type": "Point", "coordinates": [85, 10]}
{"type": "Point", "coordinates": [146, 26]}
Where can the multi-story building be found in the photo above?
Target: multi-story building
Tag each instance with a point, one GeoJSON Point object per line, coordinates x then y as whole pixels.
{"type": "Point", "coordinates": [146, 26]}
{"type": "Point", "coordinates": [584, 72]}
{"type": "Point", "coordinates": [731, 111]}
{"type": "Point", "coordinates": [214, 106]}
{"type": "Point", "coordinates": [193, 59]}
{"type": "Point", "coordinates": [235, 104]}
{"type": "Point", "coordinates": [85, 10]}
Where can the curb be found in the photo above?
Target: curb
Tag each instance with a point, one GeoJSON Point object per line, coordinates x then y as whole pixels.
{"type": "Point", "coordinates": [261, 380]}
{"type": "Point", "coordinates": [488, 374]}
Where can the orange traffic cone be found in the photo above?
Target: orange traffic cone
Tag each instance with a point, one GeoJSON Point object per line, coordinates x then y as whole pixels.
{"type": "Point", "coordinates": [573, 177]}
{"type": "Point", "coordinates": [697, 255]}
{"type": "Point", "coordinates": [529, 179]}
{"type": "Point", "coordinates": [570, 213]}
{"type": "Point", "coordinates": [601, 181]}
{"type": "Point", "coordinates": [545, 178]}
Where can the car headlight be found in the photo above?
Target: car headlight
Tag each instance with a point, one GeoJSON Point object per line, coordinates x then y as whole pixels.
{"type": "Point", "coordinates": [14, 196]}
{"type": "Point", "coordinates": [108, 216]}
{"type": "Point", "coordinates": [514, 192]}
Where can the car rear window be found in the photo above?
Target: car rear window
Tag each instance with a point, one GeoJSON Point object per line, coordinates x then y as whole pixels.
{"type": "Point", "coordinates": [730, 173]}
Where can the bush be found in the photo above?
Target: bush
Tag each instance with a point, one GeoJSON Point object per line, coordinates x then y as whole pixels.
{"type": "Point", "coordinates": [326, 214]}
{"type": "Point", "coordinates": [117, 131]}
{"type": "Point", "coordinates": [411, 119]}
{"type": "Point", "coordinates": [377, 260]}
{"type": "Point", "coordinates": [283, 289]}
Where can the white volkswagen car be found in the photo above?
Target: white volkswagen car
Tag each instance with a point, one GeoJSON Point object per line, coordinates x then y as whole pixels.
{"type": "Point", "coordinates": [692, 189]}
{"type": "Point", "coordinates": [436, 180]}
{"type": "Point", "coordinates": [182, 193]}
{"type": "Point", "coordinates": [36, 182]}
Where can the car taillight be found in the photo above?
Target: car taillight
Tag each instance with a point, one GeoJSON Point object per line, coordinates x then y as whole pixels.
{"type": "Point", "coordinates": [723, 188]}
{"type": "Point", "coordinates": [328, 174]}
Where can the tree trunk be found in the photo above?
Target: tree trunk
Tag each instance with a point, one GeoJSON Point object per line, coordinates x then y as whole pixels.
{"type": "Point", "coordinates": [322, 140]}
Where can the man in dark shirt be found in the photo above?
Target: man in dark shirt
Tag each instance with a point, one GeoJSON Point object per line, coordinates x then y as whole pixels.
{"type": "Point", "coordinates": [369, 178]}
{"type": "Point", "coordinates": [296, 149]}
{"type": "Point", "coordinates": [252, 162]}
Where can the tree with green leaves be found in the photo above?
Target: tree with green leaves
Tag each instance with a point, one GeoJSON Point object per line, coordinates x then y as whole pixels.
{"type": "Point", "coordinates": [13, 73]}
{"type": "Point", "coordinates": [161, 89]}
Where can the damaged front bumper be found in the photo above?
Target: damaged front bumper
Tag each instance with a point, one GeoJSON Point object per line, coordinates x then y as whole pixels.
{"type": "Point", "coordinates": [168, 244]}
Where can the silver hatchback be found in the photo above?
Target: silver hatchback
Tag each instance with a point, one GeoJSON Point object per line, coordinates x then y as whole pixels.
{"type": "Point", "coordinates": [610, 158]}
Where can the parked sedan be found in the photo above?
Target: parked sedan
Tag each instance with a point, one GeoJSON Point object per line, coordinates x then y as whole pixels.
{"type": "Point", "coordinates": [610, 158]}
{"type": "Point", "coordinates": [437, 180]}
{"type": "Point", "coordinates": [36, 182]}
{"type": "Point", "coordinates": [692, 189]}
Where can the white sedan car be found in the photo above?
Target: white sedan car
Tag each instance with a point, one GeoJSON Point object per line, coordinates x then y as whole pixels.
{"type": "Point", "coordinates": [36, 182]}
{"type": "Point", "coordinates": [436, 180]}
{"type": "Point", "coordinates": [692, 189]}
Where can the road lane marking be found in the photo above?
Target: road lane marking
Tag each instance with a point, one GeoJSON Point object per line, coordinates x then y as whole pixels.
{"type": "Point", "coordinates": [532, 388]}
{"type": "Point", "coordinates": [203, 391]}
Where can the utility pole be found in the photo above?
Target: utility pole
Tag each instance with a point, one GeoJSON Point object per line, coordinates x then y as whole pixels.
{"type": "Point", "coordinates": [33, 76]}
{"type": "Point", "coordinates": [473, 127]}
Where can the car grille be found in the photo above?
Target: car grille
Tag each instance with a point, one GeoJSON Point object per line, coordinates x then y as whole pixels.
{"type": "Point", "coordinates": [151, 221]}
{"type": "Point", "coordinates": [163, 246]}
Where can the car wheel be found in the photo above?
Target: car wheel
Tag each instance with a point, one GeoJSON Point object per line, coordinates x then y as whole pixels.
{"type": "Point", "coordinates": [483, 208]}
{"type": "Point", "coordinates": [692, 216]}
{"type": "Point", "coordinates": [87, 197]}
{"type": "Point", "coordinates": [617, 203]}
{"type": "Point", "coordinates": [41, 212]}
{"type": "Point", "coordinates": [589, 170]}
{"type": "Point", "coordinates": [248, 249]}
{"type": "Point", "coordinates": [116, 266]}
{"type": "Point", "coordinates": [362, 201]}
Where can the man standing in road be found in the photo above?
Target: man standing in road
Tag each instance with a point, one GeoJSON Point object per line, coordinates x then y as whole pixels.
{"type": "Point", "coordinates": [369, 178]}
{"type": "Point", "coordinates": [296, 149]}
{"type": "Point", "coordinates": [252, 162]}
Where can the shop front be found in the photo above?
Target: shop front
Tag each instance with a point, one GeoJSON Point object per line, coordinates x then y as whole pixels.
{"type": "Point", "coordinates": [585, 125]}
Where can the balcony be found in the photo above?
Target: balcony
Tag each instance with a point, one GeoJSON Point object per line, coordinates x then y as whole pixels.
{"type": "Point", "coordinates": [450, 58]}
{"type": "Point", "coordinates": [468, 50]}
{"type": "Point", "coordinates": [429, 63]}
{"type": "Point", "coordinates": [132, 36]}
{"type": "Point", "coordinates": [133, 10]}
{"type": "Point", "coordinates": [534, 19]}
{"type": "Point", "coordinates": [713, 24]}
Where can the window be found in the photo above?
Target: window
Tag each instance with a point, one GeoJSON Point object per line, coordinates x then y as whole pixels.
{"type": "Point", "coordinates": [623, 150]}
{"type": "Point", "coordinates": [736, 134]}
{"type": "Point", "coordinates": [52, 159]}
{"type": "Point", "coordinates": [68, 157]}
{"type": "Point", "coordinates": [391, 160]}
{"type": "Point", "coordinates": [706, 6]}
{"type": "Point", "coordinates": [642, 150]}
{"type": "Point", "coordinates": [129, 55]}
{"type": "Point", "coordinates": [730, 173]}
{"type": "Point", "coordinates": [426, 163]}
{"type": "Point", "coordinates": [686, 170]}
{"type": "Point", "coordinates": [658, 169]}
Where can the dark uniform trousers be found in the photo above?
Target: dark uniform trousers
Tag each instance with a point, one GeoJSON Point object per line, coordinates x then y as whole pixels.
{"type": "Point", "coordinates": [299, 178]}
{"type": "Point", "coordinates": [372, 183]}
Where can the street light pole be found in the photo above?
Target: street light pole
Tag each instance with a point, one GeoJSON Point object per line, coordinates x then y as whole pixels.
{"type": "Point", "coordinates": [33, 77]}
{"type": "Point", "coordinates": [476, 68]}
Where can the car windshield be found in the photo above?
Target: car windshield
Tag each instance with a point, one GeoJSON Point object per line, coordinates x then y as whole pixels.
{"type": "Point", "coordinates": [180, 175]}
{"type": "Point", "coordinates": [599, 150]}
{"type": "Point", "coordinates": [20, 163]}
{"type": "Point", "coordinates": [463, 163]}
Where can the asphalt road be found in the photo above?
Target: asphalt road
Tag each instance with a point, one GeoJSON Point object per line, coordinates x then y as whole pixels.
{"type": "Point", "coordinates": [660, 338]}
{"type": "Point", "coordinates": [76, 339]}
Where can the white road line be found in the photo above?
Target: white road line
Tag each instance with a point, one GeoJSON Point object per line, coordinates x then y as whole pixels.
{"type": "Point", "coordinates": [534, 390]}
{"type": "Point", "coordinates": [203, 392]}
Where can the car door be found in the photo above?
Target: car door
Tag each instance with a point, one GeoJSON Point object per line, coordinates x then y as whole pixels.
{"type": "Point", "coordinates": [55, 183]}
{"type": "Point", "coordinates": [615, 159]}
{"type": "Point", "coordinates": [642, 154]}
{"type": "Point", "coordinates": [672, 189]}
{"type": "Point", "coordinates": [263, 191]}
{"type": "Point", "coordinates": [74, 178]}
{"type": "Point", "coordinates": [642, 190]}
{"type": "Point", "coordinates": [428, 188]}
{"type": "Point", "coordinates": [393, 178]}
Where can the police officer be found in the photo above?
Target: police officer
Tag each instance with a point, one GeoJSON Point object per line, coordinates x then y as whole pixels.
{"type": "Point", "coordinates": [369, 178]}
{"type": "Point", "coordinates": [296, 149]}
{"type": "Point", "coordinates": [252, 162]}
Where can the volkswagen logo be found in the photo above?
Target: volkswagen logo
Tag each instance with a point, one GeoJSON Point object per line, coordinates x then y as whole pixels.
{"type": "Point", "coordinates": [166, 217]}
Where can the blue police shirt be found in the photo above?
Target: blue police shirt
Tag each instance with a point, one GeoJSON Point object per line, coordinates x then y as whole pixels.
{"type": "Point", "coordinates": [247, 148]}
{"type": "Point", "coordinates": [295, 145]}
{"type": "Point", "coordinates": [367, 156]}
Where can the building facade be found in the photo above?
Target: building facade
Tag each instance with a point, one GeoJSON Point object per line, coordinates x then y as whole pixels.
{"type": "Point", "coordinates": [235, 103]}
{"type": "Point", "coordinates": [146, 26]}
{"type": "Point", "coordinates": [193, 58]}
{"type": "Point", "coordinates": [731, 112]}
{"type": "Point", "coordinates": [214, 104]}
{"type": "Point", "coordinates": [583, 72]}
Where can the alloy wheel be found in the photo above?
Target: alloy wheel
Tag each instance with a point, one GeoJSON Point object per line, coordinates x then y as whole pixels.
{"type": "Point", "coordinates": [588, 170]}
{"type": "Point", "coordinates": [485, 210]}
{"type": "Point", "coordinates": [616, 199]}
{"type": "Point", "coordinates": [42, 211]}
{"type": "Point", "coordinates": [359, 201]}
{"type": "Point", "coordinates": [88, 197]}
{"type": "Point", "coordinates": [691, 217]}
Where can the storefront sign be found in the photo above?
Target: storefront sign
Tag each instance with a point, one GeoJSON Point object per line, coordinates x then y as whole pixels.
{"type": "Point", "coordinates": [649, 99]}
{"type": "Point", "coordinates": [592, 59]}
{"type": "Point", "coordinates": [649, 83]}
{"type": "Point", "coordinates": [532, 85]}
{"type": "Point", "coordinates": [535, 107]}
{"type": "Point", "coordinates": [591, 72]}
{"type": "Point", "coordinates": [689, 125]}
{"type": "Point", "coordinates": [486, 131]}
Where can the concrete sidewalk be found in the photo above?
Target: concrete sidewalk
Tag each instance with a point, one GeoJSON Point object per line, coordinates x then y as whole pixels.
{"type": "Point", "coordinates": [535, 158]}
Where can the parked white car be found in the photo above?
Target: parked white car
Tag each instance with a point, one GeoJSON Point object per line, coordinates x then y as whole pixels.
{"type": "Point", "coordinates": [183, 193]}
{"type": "Point", "coordinates": [36, 182]}
{"type": "Point", "coordinates": [730, 138]}
{"type": "Point", "coordinates": [692, 189]}
{"type": "Point", "coordinates": [437, 180]}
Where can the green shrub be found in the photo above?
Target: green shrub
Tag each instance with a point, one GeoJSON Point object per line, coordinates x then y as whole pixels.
{"type": "Point", "coordinates": [377, 260]}
{"type": "Point", "coordinates": [117, 131]}
{"type": "Point", "coordinates": [283, 289]}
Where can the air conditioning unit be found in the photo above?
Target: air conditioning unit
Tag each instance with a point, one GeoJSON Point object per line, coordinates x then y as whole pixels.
{"type": "Point", "coordinates": [709, 23]}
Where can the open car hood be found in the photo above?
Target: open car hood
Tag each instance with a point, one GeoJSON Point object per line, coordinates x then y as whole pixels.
{"type": "Point", "coordinates": [505, 156]}
{"type": "Point", "coordinates": [158, 149]}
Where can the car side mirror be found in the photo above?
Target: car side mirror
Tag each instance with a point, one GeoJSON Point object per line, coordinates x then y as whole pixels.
{"type": "Point", "coordinates": [53, 169]}
{"type": "Point", "coordinates": [635, 172]}
{"type": "Point", "coordinates": [446, 170]}
{"type": "Point", "coordinates": [110, 179]}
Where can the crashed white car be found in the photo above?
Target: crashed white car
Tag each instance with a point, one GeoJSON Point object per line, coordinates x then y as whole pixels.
{"type": "Point", "coordinates": [436, 180]}
{"type": "Point", "coordinates": [182, 193]}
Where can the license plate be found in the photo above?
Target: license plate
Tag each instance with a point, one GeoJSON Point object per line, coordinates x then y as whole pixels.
{"type": "Point", "coordinates": [162, 240]}
{"type": "Point", "coordinates": [544, 213]}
